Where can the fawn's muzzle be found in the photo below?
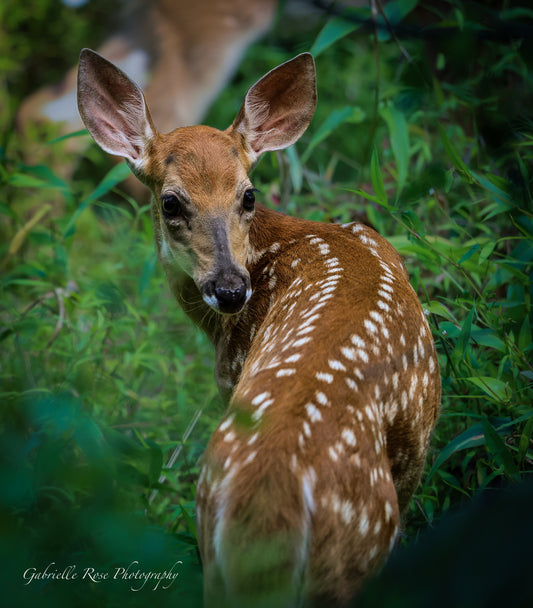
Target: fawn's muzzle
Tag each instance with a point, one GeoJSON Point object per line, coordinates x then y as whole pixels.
{"type": "Point", "coordinates": [228, 295]}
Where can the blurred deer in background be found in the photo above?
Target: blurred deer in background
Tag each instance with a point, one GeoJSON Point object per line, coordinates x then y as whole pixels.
{"type": "Point", "coordinates": [182, 52]}
{"type": "Point", "coordinates": [322, 349]}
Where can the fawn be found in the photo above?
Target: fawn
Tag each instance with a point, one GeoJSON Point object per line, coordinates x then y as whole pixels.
{"type": "Point", "coordinates": [322, 349]}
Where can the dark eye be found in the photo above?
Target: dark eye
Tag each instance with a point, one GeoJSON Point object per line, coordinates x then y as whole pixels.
{"type": "Point", "coordinates": [248, 199]}
{"type": "Point", "coordinates": [170, 205]}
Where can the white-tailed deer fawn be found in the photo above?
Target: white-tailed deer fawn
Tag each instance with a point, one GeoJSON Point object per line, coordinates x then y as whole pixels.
{"type": "Point", "coordinates": [321, 345]}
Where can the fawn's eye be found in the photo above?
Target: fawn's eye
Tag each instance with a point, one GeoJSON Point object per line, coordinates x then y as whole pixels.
{"type": "Point", "coordinates": [248, 200]}
{"type": "Point", "coordinates": [170, 205]}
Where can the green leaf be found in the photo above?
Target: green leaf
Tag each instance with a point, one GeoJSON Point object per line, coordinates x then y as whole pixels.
{"type": "Point", "coordinates": [399, 139]}
{"type": "Point", "coordinates": [524, 337]}
{"type": "Point", "coordinates": [147, 272]}
{"type": "Point", "coordinates": [502, 201]}
{"type": "Point", "coordinates": [466, 330]}
{"type": "Point", "coordinates": [39, 176]}
{"type": "Point", "coordinates": [395, 11]}
{"type": "Point", "coordinates": [295, 169]}
{"type": "Point", "coordinates": [156, 462]}
{"type": "Point", "coordinates": [486, 251]}
{"type": "Point", "coordinates": [57, 140]}
{"type": "Point", "coordinates": [414, 222]}
{"type": "Point", "coordinates": [335, 119]}
{"type": "Point", "coordinates": [90, 438]}
{"type": "Point", "coordinates": [335, 29]}
{"type": "Point", "coordinates": [439, 309]}
{"type": "Point", "coordinates": [525, 439]}
{"type": "Point", "coordinates": [494, 388]}
{"type": "Point", "coordinates": [369, 197]}
{"type": "Point", "coordinates": [498, 449]}
{"type": "Point", "coordinates": [377, 178]}
{"type": "Point", "coordinates": [488, 337]}
{"type": "Point", "coordinates": [456, 160]}
{"type": "Point", "coordinates": [472, 437]}
{"type": "Point", "coordinates": [516, 13]}
{"type": "Point", "coordinates": [117, 174]}
{"type": "Point", "coordinates": [469, 253]}
{"type": "Point", "coordinates": [6, 210]}
{"type": "Point", "coordinates": [189, 521]}
{"type": "Point", "coordinates": [20, 180]}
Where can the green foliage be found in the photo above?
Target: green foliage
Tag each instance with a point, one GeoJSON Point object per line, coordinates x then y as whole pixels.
{"type": "Point", "coordinates": [102, 376]}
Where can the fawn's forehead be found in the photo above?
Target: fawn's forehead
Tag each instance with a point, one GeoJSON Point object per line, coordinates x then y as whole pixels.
{"type": "Point", "coordinates": [207, 163]}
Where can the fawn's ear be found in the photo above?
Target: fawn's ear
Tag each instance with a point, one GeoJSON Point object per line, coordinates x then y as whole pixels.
{"type": "Point", "coordinates": [113, 109]}
{"type": "Point", "coordinates": [279, 107]}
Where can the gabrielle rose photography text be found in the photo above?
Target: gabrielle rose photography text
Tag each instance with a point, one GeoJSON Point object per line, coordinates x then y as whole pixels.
{"type": "Point", "coordinates": [133, 573]}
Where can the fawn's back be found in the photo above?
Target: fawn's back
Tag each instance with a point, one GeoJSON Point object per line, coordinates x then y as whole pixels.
{"type": "Point", "coordinates": [322, 350]}
{"type": "Point", "coordinates": [336, 393]}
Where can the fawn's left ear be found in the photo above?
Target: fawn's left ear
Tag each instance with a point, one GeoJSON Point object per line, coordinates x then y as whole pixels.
{"type": "Point", "coordinates": [279, 107]}
{"type": "Point", "coordinates": [113, 109]}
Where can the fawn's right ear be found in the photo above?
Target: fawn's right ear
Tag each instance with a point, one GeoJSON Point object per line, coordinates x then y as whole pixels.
{"type": "Point", "coordinates": [113, 109]}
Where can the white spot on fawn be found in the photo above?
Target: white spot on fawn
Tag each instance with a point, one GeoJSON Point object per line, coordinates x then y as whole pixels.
{"type": "Point", "coordinates": [383, 305]}
{"type": "Point", "coordinates": [281, 373]}
{"type": "Point", "coordinates": [336, 365]}
{"type": "Point", "coordinates": [351, 383]}
{"type": "Point", "coordinates": [313, 412]}
{"type": "Point", "coordinates": [260, 398]}
{"type": "Point", "coordinates": [357, 341]}
{"type": "Point", "coordinates": [250, 457]}
{"type": "Point", "coordinates": [348, 436]}
{"type": "Point", "coordinates": [363, 523]}
{"type": "Point", "coordinates": [349, 353]}
{"type": "Point", "coordinates": [226, 424]}
{"type": "Point", "coordinates": [321, 398]}
{"type": "Point", "coordinates": [301, 342]}
{"type": "Point", "coordinates": [371, 327]}
{"type": "Point", "coordinates": [261, 410]}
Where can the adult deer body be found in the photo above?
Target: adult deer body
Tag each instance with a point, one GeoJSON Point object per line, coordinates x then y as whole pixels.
{"type": "Point", "coordinates": [322, 349]}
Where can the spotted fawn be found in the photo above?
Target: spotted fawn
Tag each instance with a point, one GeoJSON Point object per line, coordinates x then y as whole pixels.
{"type": "Point", "coordinates": [323, 351]}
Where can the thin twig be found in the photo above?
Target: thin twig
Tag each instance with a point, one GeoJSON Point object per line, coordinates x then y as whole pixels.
{"type": "Point", "coordinates": [61, 294]}
{"type": "Point", "coordinates": [176, 453]}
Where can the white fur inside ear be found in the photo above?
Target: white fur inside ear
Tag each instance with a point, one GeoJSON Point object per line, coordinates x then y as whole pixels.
{"type": "Point", "coordinates": [257, 110]}
{"type": "Point", "coordinates": [133, 115]}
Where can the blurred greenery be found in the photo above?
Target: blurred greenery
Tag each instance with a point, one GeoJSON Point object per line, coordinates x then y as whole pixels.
{"type": "Point", "coordinates": [423, 129]}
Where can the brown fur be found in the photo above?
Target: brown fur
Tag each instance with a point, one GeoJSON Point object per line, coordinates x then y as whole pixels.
{"type": "Point", "coordinates": [328, 365]}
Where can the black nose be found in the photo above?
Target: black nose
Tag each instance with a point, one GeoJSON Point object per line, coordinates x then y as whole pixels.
{"type": "Point", "coordinates": [230, 300]}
